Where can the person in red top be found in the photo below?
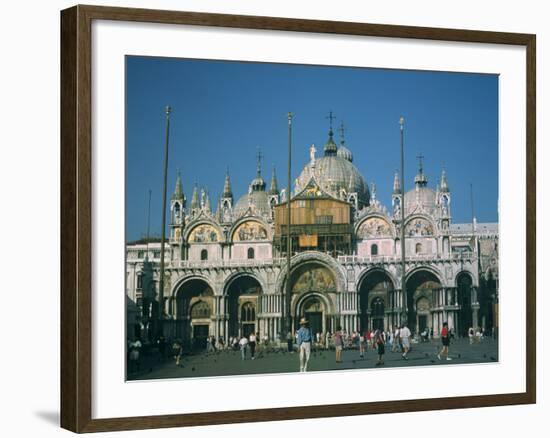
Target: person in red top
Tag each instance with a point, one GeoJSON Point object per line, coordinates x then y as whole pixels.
{"type": "Point", "coordinates": [445, 342]}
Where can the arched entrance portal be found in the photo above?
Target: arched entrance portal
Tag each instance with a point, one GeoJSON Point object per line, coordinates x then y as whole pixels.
{"type": "Point", "coordinates": [242, 301]}
{"type": "Point", "coordinates": [377, 313]}
{"type": "Point", "coordinates": [314, 310]}
{"type": "Point", "coordinates": [194, 304]}
{"type": "Point", "coordinates": [464, 288]}
{"type": "Point", "coordinates": [374, 293]}
{"type": "Point", "coordinates": [421, 289]}
{"type": "Point", "coordinates": [313, 290]}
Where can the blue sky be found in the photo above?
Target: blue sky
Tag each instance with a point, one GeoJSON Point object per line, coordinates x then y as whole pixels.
{"type": "Point", "coordinates": [222, 112]}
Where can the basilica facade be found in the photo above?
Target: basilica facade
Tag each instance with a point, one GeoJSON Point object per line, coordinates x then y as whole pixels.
{"type": "Point", "coordinates": [226, 271]}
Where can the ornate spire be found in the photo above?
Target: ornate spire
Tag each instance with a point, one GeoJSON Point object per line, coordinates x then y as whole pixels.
{"type": "Point", "coordinates": [178, 191]}
{"type": "Point", "coordinates": [274, 190]}
{"type": "Point", "coordinates": [227, 193]}
{"type": "Point", "coordinates": [444, 184]}
{"type": "Point", "coordinates": [207, 207]}
{"type": "Point", "coordinates": [373, 193]}
{"type": "Point", "coordinates": [330, 146]}
{"type": "Point", "coordinates": [420, 179]}
{"type": "Point", "coordinates": [396, 184]}
{"type": "Point", "coordinates": [195, 198]}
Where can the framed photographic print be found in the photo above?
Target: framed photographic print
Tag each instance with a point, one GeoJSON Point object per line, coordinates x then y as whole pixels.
{"type": "Point", "coordinates": [268, 218]}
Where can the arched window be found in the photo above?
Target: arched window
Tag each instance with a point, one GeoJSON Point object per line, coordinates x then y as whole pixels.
{"type": "Point", "coordinates": [377, 308]}
{"type": "Point", "coordinates": [204, 254]}
{"type": "Point", "coordinates": [418, 248]}
{"type": "Point", "coordinates": [374, 249]}
{"type": "Point", "coordinates": [250, 253]}
{"type": "Point", "coordinates": [248, 312]}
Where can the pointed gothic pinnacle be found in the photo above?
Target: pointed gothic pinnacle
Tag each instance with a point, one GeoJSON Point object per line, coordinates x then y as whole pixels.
{"type": "Point", "coordinates": [444, 183]}
{"type": "Point", "coordinates": [178, 191]}
{"type": "Point", "coordinates": [195, 197]}
{"type": "Point", "coordinates": [396, 184]}
{"type": "Point", "coordinates": [274, 190]}
{"type": "Point", "coordinates": [227, 193]}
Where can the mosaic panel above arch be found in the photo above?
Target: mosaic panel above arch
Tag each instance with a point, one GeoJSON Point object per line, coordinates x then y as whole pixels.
{"type": "Point", "coordinates": [204, 234]}
{"type": "Point", "coordinates": [374, 227]}
{"type": "Point", "coordinates": [250, 231]}
{"type": "Point", "coordinates": [201, 310]}
{"type": "Point", "coordinates": [419, 227]}
{"type": "Point", "coordinates": [318, 279]}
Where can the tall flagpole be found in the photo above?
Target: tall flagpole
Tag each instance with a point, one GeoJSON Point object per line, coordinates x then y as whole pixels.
{"type": "Point", "coordinates": [472, 207]}
{"type": "Point", "coordinates": [148, 226]}
{"type": "Point", "coordinates": [288, 322]}
{"type": "Point", "coordinates": [168, 110]}
{"type": "Point", "coordinates": [403, 285]}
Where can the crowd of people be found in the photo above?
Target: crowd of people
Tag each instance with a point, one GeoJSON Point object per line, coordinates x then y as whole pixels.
{"type": "Point", "coordinates": [304, 341]}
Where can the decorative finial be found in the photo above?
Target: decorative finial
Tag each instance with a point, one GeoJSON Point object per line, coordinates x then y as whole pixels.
{"type": "Point", "coordinates": [401, 122]}
{"type": "Point", "coordinates": [168, 110]}
{"type": "Point", "coordinates": [290, 116]}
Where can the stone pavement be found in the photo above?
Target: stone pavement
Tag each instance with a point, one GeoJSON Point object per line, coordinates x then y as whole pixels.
{"type": "Point", "coordinates": [229, 362]}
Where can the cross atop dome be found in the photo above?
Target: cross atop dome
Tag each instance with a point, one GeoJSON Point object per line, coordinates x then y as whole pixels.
{"type": "Point", "coordinates": [259, 157]}
{"type": "Point", "coordinates": [330, 146]}
{"type": "Point", "coordinates": [341, 131]}
{"type": "Point", "coordinates": [420, 179]}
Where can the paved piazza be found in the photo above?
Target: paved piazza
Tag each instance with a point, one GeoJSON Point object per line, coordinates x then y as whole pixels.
{"type": "Point", "coordinates": [270, 360]}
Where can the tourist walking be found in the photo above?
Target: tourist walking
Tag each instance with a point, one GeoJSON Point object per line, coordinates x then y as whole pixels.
{"type": "Point", "coordinates": [396, 340]}
{"type": "Point", "coordinates": [252, 344]}
{"type": "Point", "coordinates": [471, 335]}
{"type": "Point", "coordinates": [243, 344]}
{"type": "Point", "coordinates": [379, 340]}
{"type": "Point", "coordinates": [327, 340]}
{"type": "Point", "coordinates": [338, 344]}
{"type": "Point", "coordinates": [362, 346]}
{"type": "Point", "coordinates": [304, 340]}
{"type": "Point", "coordinates": [405, 335]}
{"type": "Point", "coordinates": [135, 348]}
{"type": "Point", "coordinates": [445, 340]}
{"type": "Point", "coordinates": [177, 351]}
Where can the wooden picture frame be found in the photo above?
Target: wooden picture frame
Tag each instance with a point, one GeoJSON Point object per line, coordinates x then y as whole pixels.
{"type": "Point", "coordinates": [76, 217]}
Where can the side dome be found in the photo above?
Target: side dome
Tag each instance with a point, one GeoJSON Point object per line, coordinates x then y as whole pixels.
{"type": "Point", "coordinates": [345, 153]}
{"type": "Point", "coordinates": [258, 201]}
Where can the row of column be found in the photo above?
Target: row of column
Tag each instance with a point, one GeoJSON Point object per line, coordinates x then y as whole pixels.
{"type": "Point", "coordinates": [270, 304]}
{"type": "Point", "coordinates": [347, 301]}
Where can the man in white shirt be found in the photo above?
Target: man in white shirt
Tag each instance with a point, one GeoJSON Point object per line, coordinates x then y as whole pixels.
{"type": "Point", "coordinates": [243, 343]}
{"type": "Point", "coordinates": [405, 334]}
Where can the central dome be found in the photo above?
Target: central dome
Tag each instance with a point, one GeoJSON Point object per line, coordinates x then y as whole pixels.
{"type": "Point", "coordinates": [420, 198]}
{"type": "Point", "coordinates": [335, 174]}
